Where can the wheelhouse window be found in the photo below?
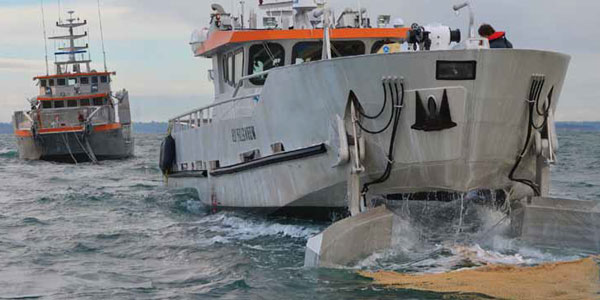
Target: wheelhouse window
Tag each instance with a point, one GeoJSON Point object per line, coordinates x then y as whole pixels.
{"type": "Point", "coordinates": [98, 101]}
{"type": "Point", "coordinates": [230, 68]}
{"type": "Point", "coordinates": [103, 79]}
{"type": "Point", "coordinates": [72, 103]}
{"type": "Point", "coordinates": [84, 80]}
{"type": "Point", "coordinates": [95, 79]}
{"type": "Point", "coordinates": [238, 64]}
{"type": "Point", "coordinates": [61, 81]}
{"type": "Point", "coordinates": [225, 69]}
{"type": "Point", "coordinates": [43, 83]}
{"type": "Point", "coordinates": [59, 104]}
{"type": "Point", "coordinates": [304, 52]}
{"type": "Point", "coordinates": [378, 46]}
{"type": "Point", "coordinates": [264, 57]}
{"type": "Point", "coordinates": [51, 82]}
{"type": "Point", "coordinates": [46, 104]}
{"type": "Point", "coordinates": [72, 81]}
{"type": "Point", "coordinates": [313, 51]}
{"type": "Point", "coordinates": [347, 48]}
{"type": "Point", "coordinates": [84, 102]}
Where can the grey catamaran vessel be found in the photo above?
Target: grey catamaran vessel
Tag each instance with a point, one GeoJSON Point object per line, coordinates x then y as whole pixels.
{"type": "Point", "coordinates": [310, 107]}
{"type": "Point", "coordinates": [76, 116]}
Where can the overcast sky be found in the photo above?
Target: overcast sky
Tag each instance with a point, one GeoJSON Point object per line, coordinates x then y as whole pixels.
{"type": "Point", "coordinates": [147, 44]}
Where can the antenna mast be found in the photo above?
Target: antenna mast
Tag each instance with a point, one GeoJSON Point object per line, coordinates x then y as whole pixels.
{"type": "Point", "coordinates": [102, 37]}
{"type": "Point", "coordinates": [45, 37]}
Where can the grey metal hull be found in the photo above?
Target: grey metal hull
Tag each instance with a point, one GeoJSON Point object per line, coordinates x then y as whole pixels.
{"type": "Point", "coordinates": [299, 105]}
{"type": "Point", "coordinates": [71, 147]}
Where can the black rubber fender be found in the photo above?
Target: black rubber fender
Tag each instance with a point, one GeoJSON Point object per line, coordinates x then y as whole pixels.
{"type": "Point", "coordinates": [167, 155]}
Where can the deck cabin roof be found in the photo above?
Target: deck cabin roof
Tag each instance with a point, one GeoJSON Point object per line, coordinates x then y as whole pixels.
{"type": "Point", "coordinates": [218, 39]}
{"type": "Point", "coordinates": [66, 75]}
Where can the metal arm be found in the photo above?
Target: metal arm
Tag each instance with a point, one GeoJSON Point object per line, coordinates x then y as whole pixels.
{"type": "Point", "coordinates": [458, 7]}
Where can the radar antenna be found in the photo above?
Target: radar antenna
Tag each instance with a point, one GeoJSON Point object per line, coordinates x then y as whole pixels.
{"type": "Point", "coordinates": [45, 37]}
{"type": "Point", "coordinates": [102, 36]}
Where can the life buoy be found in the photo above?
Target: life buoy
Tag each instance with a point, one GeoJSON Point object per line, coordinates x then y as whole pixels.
{"type": "Point", "coordinates": [167, 155]}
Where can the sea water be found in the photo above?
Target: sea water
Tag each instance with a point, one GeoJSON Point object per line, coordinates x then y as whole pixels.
{"type": "Point", "coordinates": [113, 231]}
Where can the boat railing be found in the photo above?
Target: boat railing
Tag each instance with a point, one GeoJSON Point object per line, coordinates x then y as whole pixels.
{"type": "Point", "coordinates": [74, 117]}
{"type": "Point", "coordinates": [207, 114]}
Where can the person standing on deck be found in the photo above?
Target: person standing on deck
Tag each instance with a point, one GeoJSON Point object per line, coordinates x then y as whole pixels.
{"type": "Point", "coordinates": [497, 39]}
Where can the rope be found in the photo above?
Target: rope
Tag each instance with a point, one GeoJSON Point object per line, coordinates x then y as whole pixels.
{"type": "Point", "coordinates": [91, 154]}
{"type": "Point", "coordinates": [68, 147]}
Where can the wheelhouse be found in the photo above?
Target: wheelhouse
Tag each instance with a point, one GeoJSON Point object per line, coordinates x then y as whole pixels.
{"type": "Point", "coordinates": [263, 50]}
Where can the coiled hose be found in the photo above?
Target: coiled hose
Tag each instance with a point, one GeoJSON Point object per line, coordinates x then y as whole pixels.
{"type": "Point", "coordinates": [534, 108]}
{"type": "Point", "coordinates": [397, 102]}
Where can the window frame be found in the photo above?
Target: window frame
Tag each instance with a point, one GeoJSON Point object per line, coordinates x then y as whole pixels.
{"type": "Point", "coordinates": [295, 50]}
{"type": "Point", "coordinates": [54, 102]}
{"type": "Point", "coordinates": [69, 102]}
{"type": "Point", "coordinates": [230, 68]}
{"type": "Point", "coordinates": [259, 81]}
{"type": "Point", "coordinates": [333, 46]}
{"type": "Point", "coordinates": [86, 79]}
{"type": "Point", "coordinates": [235, 67]}
{"type": "Point", "coordinates": [225, 67]}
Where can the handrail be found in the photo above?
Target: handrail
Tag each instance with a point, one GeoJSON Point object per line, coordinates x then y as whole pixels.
{"type": "Point", "coordinates": [233, 99]}
{"type": "Point", "coordinates": [93, 114]}
{"type": "Point", "coordinates": [244, 78]}
{"type": "Point", "coordinates": [213, 105]}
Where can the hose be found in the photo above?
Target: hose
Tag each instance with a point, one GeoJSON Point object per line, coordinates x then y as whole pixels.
{"type": "Point", "coordinates": [534, 104]}
{"type": "Point", "coordinates": [396, 113]}
{"type": "Point", "coordinates": [354, 98]}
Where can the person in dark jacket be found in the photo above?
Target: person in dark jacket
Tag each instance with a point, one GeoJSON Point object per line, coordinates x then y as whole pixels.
{"type": "Point", "coordinates": [497, 38]}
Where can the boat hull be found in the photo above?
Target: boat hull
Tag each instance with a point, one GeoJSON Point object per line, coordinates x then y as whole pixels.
{"type": "Point", "coordinates": [299, 107]}
{"type": "Point", "coordinates": [70, 147]}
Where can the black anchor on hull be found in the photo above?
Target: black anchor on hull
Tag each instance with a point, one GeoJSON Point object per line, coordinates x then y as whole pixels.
{"type": "Point", "coordinates": [433, 119]}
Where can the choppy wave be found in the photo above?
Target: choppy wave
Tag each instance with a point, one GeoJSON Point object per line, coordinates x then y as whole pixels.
{"type": "Point", "coordinates": [230, 227]}
{"type": "Point", "coordinates": [114, 231]}
{"type": "Point", "coordinates": [8, 153]}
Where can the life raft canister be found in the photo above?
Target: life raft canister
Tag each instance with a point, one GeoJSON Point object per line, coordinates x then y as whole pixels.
{"type": "Point", "coordinates": [167, 155]}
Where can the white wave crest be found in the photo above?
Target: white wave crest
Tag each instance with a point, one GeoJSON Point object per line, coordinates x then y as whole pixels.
{"type": "Point", "coordinates": [232, 227]}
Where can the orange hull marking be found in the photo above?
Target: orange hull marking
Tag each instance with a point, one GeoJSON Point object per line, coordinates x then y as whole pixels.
{"type": "Point", "coordinates": [74, 75]}
{"type": "Point", "coordinates": [23, 133]}
{"type": "Point", "coordinates": [221, 38]}
{"type": "Point", "coordinates": [74, 98]}
{"type": "Point", "coordinates": [107, 127]}
{"type": "Point", "coordinates": [61, 129]}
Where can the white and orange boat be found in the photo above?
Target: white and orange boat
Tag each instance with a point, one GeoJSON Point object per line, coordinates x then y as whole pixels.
{"type": "Point", "coordinates": [314, 112]}
{"type": "Point", "coordinates": [76, 117]}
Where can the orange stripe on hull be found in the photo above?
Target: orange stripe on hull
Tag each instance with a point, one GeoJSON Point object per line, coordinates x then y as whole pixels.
{"type": "Point", "coordinates": [99, 128]}
{"type": "Point", "coordinates": [221, 38]}
{"type": "Point", "coordinates": [61, 129]}
{"type": "Point", "coordinates": [107, 127]}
